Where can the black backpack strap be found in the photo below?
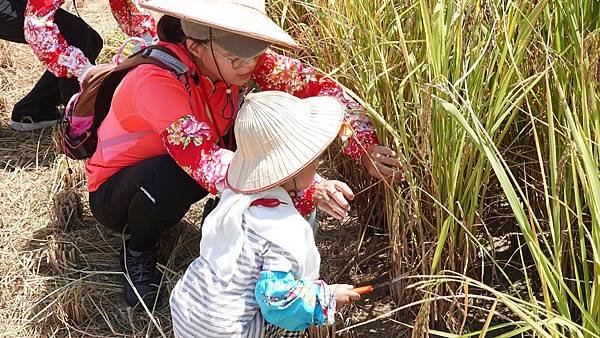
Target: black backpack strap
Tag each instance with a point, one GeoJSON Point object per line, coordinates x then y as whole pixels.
{"type": "Point", "coordinates": [156, 55]}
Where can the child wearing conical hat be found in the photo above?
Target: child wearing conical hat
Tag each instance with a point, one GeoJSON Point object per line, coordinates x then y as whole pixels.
{"type": "Point", "coordinates": [257, 274]}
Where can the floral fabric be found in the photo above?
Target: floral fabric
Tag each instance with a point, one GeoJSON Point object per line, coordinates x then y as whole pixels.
{"type": "Point", "coordinates": [294, 304]}
{"type": "Point", "coordinates": [52, 49]}
{"type": "Point", "coordinates": [304, 201]}
{"type": "Point", "coordinates": [279, 72]}
{"type": "Point", "coordinates": [189, 142]}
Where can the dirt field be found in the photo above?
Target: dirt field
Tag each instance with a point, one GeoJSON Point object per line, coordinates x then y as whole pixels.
{"type": "Point", "coordinates": [59, 267]}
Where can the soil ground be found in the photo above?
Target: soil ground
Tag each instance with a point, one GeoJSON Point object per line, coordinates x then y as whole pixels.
{"type": "Point", "coordinates": [59, 268]}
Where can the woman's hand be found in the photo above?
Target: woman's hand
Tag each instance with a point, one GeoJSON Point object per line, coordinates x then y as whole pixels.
{"type": "Point", "coordinates": [332, 197]}
{"type": "Point", "coordinates": [343, 294]}
{"type": "Point", "coordinates": [382, 162]}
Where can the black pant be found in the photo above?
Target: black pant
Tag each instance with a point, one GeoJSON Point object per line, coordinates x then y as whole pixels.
{"type": "Point", "coordinates": [149, 197]}
{"type": "Point", "coordinates": [49, 91]}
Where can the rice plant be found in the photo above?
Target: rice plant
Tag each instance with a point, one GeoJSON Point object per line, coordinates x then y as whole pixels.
{"type": "Point", "coordinates": [494, 107]}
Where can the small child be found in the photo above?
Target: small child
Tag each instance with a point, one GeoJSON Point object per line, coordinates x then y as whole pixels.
{"type": "Point", "coordinates": [258, 267]}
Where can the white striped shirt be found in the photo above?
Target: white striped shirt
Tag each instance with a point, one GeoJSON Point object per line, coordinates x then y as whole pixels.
{"type": "Point", "coordinates": [204, 306]}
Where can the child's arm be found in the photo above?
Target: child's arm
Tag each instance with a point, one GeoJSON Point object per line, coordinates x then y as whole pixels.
{"type": "Point", "coordinates": [294, 304]}
{"type": "Point", "coordinates": [287, 302]}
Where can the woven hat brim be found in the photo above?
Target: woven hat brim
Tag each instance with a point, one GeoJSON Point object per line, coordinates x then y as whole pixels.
{"type": "Point", "coordinates": [226, 16]}
{"type": "Point", "coordinates": [306, 144]}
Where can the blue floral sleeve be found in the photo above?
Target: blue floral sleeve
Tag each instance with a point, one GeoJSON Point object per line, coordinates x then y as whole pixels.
{"type": "Point", "coordinates": [294, 304]}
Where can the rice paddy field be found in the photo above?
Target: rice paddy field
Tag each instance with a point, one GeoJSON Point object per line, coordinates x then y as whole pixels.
{"type": "Point", "coordinates": [494, 108]}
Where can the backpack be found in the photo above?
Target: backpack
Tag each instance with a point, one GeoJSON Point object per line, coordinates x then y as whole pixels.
{"type": "Point", "coordinates": [88, 108]}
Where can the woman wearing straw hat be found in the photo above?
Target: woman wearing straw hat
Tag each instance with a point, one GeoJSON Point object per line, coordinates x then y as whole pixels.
{"type": "Point", "coordinates": [259, 266]}
{"type": "Point", "coordinates": [183, 144]}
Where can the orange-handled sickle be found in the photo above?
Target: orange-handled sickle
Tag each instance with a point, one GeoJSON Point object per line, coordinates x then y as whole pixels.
{"type": "Point", "coordinates": [363, 290]}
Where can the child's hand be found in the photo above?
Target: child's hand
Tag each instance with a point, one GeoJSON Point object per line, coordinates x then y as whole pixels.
{"type": "Point", "coordinates": [343, 294]}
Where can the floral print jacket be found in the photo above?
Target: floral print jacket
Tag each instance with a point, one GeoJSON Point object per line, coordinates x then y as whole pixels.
{"type": "Point", "coordinates": [52, 49]}
{"type": "Point", "coordinates": [189, 141]}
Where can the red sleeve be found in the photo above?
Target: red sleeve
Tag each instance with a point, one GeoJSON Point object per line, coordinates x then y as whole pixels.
{"type": "Point", "coordinates": [189, 142]}
{"type": "Point", "coordinates": [52, 49]}
{"type": "Point", "coordinates": [304, 202]}
{"type": "Point", "coordinates": [279, 72]}
{"type": "Point", "coordinates": [133, 20]}
{"type": "Point", "coordinates": [163, 103]}
{"type": "Point", "coordinates": [46, 41]}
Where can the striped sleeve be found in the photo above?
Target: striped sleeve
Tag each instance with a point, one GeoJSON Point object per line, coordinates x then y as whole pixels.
{"type": "Point", "coordinates": [277, 259]}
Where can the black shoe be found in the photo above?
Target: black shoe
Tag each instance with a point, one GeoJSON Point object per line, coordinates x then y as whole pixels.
{"type": "Point", "coordinates": [140, 266]}
{"type": "Point", "coordinates": [24, 120]}
{"type": "Point", "coordinates": [39, 108]}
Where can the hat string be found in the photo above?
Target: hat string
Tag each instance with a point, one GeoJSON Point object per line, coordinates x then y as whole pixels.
{"type": "Point", "coordinates": [295, 192]}
{"type": "Point", "coordinates": [228, 91]}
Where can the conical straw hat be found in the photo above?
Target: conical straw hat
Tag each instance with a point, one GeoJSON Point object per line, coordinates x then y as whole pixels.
{"type": "Point", "coordinates": [243, 17]}
{"type": "Point", "coordinates": [278, 135]}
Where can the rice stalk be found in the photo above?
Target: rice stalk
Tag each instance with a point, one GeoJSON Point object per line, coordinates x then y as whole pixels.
{"type": "Point", "coordinates": [494, 108]}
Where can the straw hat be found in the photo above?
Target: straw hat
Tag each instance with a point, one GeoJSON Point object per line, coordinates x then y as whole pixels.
{"type": "Point", "coordinates": [278, 135]}
{"type": "Point", "coordinates": [244, 17]}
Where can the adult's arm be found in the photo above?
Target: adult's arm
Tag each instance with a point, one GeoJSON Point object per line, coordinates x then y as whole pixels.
{"type": "Point", "coordinates": [189, 143]}
{"type": "Point", "coordinates": [52, 49]}
{"type": "Point", "coordinates": [278, 72]}
{"type": "Point", "coordinates": [133, 20]}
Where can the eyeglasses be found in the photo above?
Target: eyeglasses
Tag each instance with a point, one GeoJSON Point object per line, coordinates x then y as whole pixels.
{"type": "Point", "coordinates": [236, 62]}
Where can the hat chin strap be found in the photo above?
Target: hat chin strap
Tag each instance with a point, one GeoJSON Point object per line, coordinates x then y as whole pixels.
{"type": "Point", "coordinates": [212, 52]}
{"type": "Point", "coordinates": [295, 192]}
{"type": "Point", "coordinates": [228, 91]}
